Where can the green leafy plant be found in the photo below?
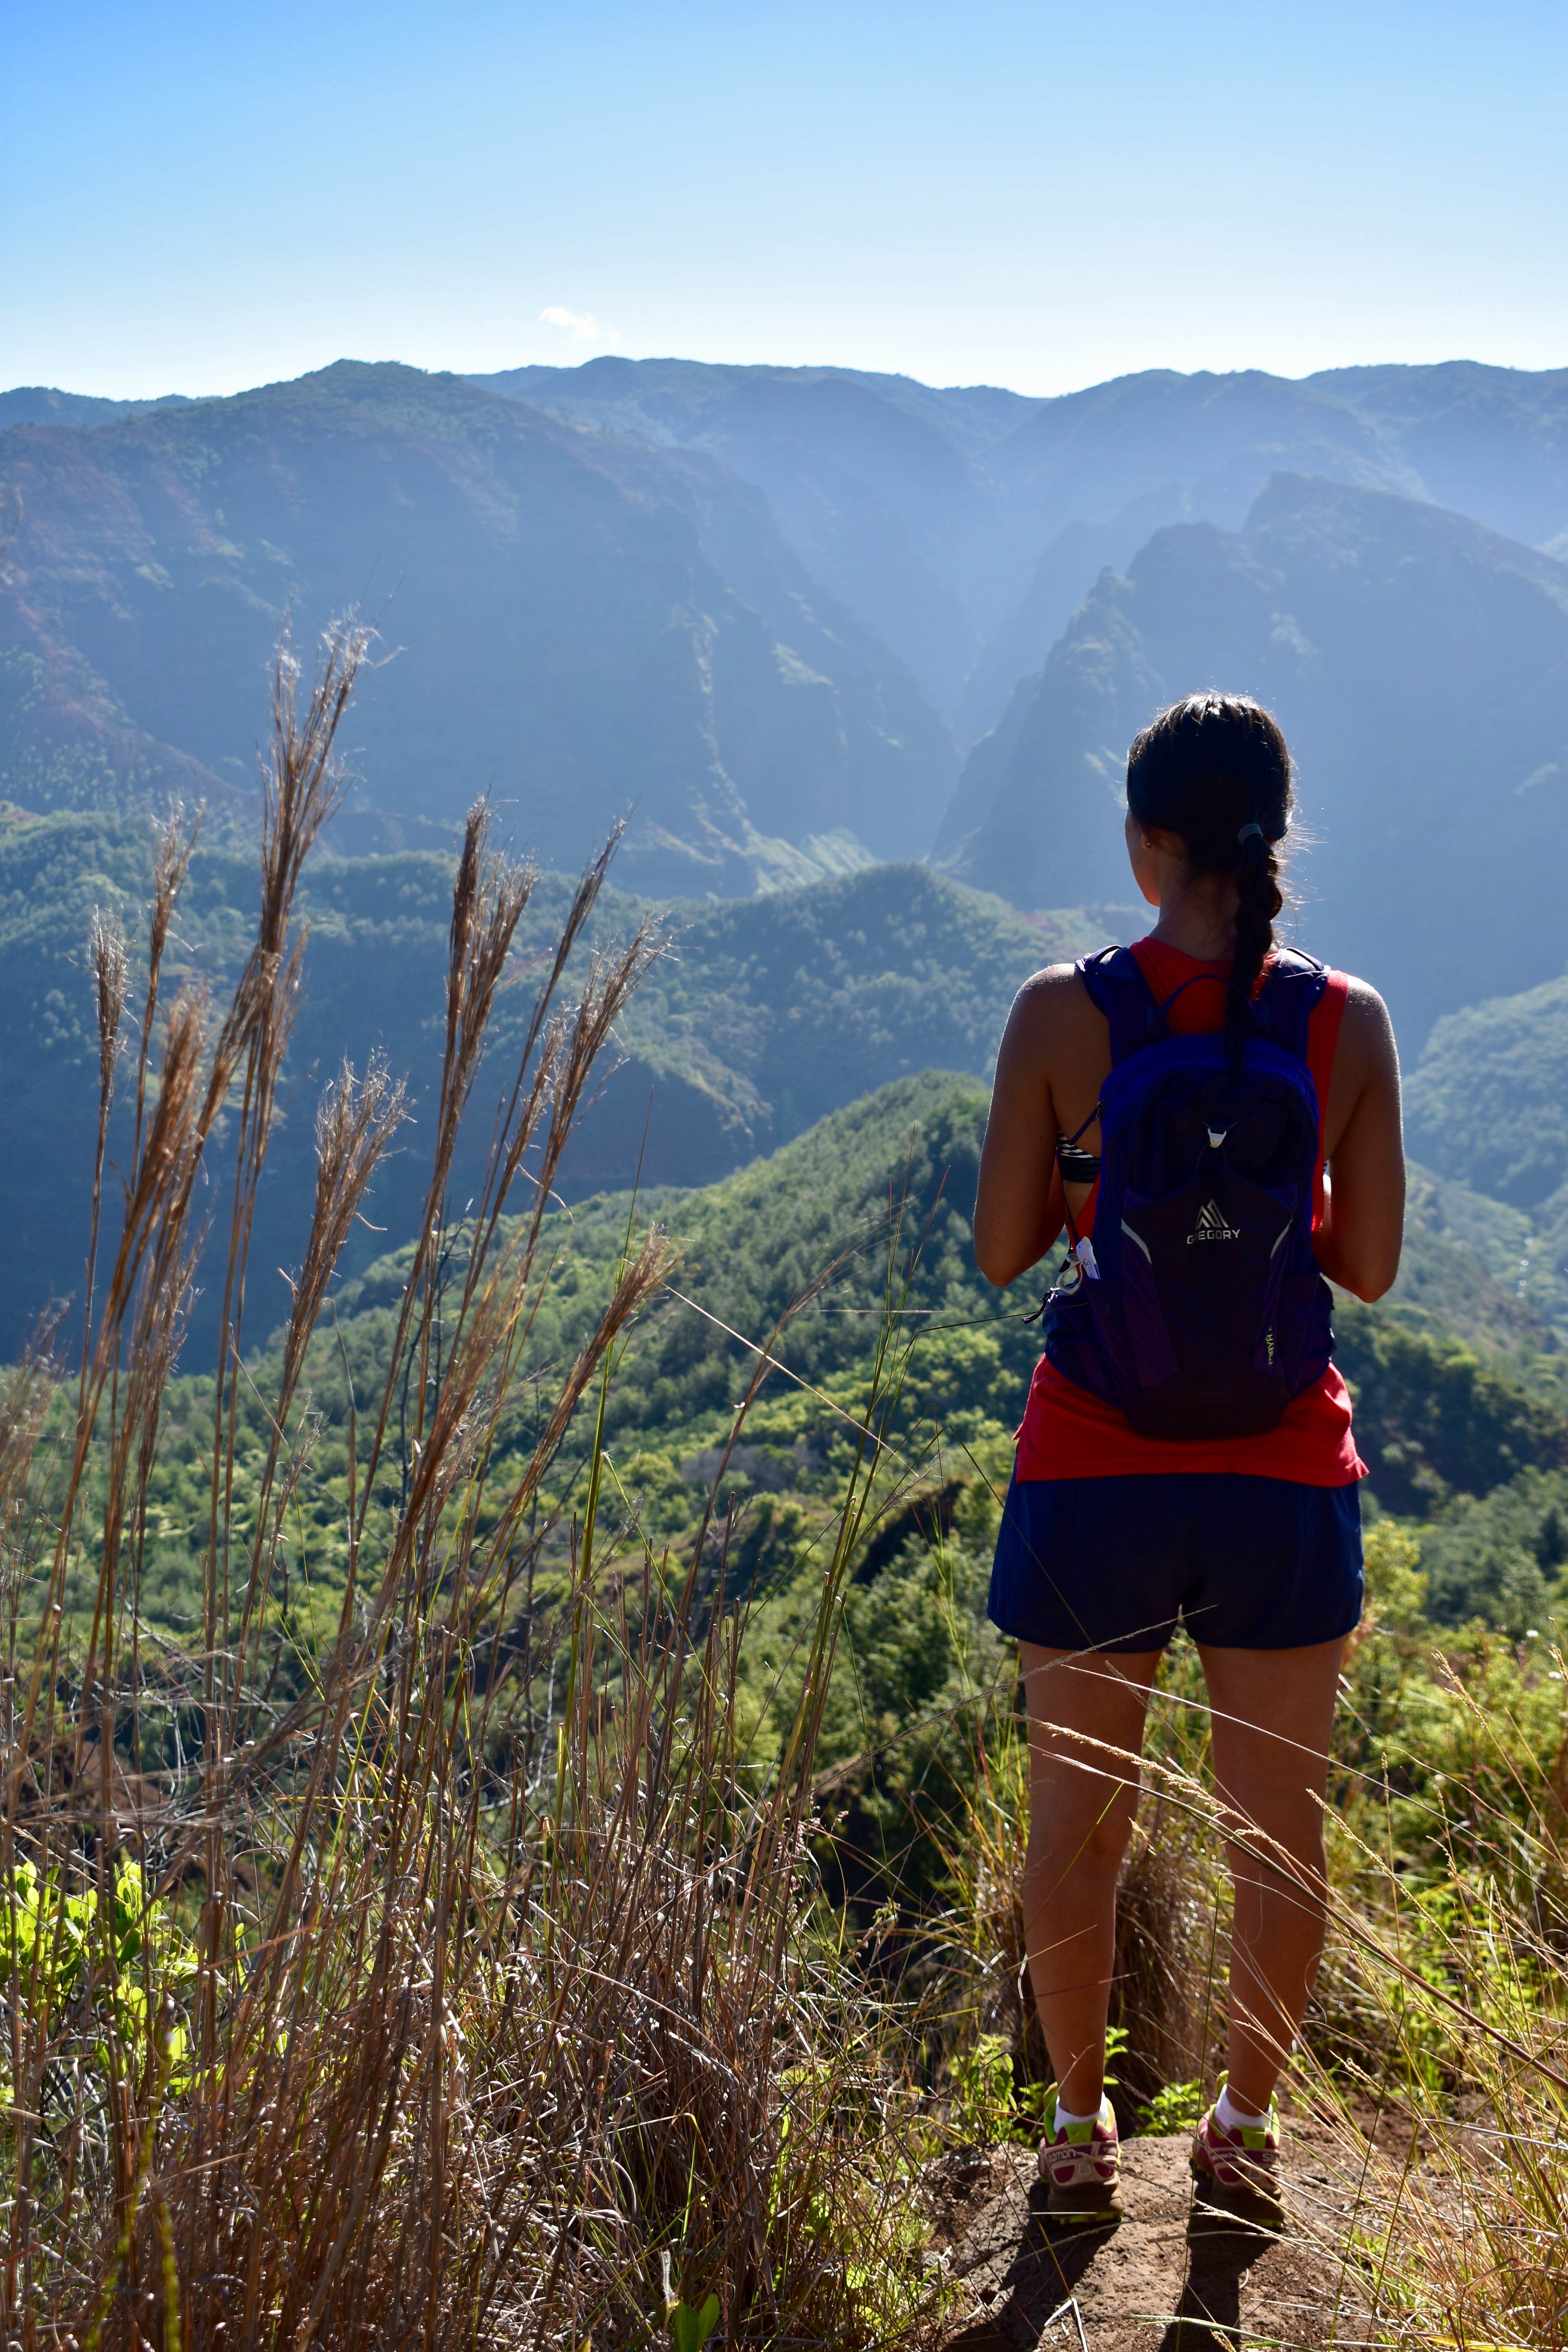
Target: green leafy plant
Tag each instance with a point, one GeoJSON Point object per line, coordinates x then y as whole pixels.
{"type": "Point", "coordinates": [1173, 2109]}
{"type": "Point", "coordinates": [67, 1966]}
{"type": "Point", "coordinates": [988, 2106]}
{"type": "Point", "coordinates": [689, 2329]}
{"type": "Point", "coordinates": [982, 2077]}
{"type": "Point", "coordinates": [689, 2326]}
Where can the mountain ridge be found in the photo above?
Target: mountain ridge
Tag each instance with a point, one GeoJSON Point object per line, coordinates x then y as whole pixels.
{"type": "Point", "coordinates": [1418, 663]}
{"type": "Point", "coordinates": [1076, 481]}
{"type": "Point", "coordinates": [589, 624]}
{"type": "Point", "coordinates": [964, 524]}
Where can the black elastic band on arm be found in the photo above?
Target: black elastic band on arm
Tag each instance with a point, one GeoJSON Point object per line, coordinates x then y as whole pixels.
{"type": "Point", "coordinates": [1077, 1167]}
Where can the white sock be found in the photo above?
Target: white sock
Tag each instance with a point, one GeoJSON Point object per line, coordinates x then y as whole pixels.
{"type": "Point", "coordinates": [1065, 2115]}
{"type": "Point", "coordinates": [1230, 2117]}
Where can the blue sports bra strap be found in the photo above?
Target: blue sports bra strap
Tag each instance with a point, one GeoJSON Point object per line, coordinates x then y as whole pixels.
{"type": "Point", "coordinates": [1293, 988]}
{"type": "Point", "coordinates": [1117, 987]}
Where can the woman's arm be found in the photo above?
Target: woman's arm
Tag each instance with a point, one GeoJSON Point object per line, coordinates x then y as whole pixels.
{"type": "Point", "coordinates": [1359, 1240]}
{"type": "Point", "coordinates": [1019, 1207]}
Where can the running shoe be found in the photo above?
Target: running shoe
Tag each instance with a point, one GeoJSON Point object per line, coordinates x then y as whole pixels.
{"type": "Point", "coordinates": [1240, 2169]}
{"type": "Point", "coordinates": [1082, 2167]}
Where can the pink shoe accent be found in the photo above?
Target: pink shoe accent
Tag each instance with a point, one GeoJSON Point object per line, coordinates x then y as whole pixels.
{"type": "Point", "coordinates": [1241, 2164]}
{"type": "Point", "coordinates": [1082, 2167]}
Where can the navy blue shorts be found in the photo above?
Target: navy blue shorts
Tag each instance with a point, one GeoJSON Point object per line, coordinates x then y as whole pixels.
{"type": "Point", "coordinates": [1245, 1563]}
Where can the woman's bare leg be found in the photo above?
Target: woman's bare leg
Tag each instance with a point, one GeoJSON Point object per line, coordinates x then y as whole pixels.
{"type": "Point", "coordinates": [1272, 1718]}
{"type": "Point", "coordinates": [1081, 1804]}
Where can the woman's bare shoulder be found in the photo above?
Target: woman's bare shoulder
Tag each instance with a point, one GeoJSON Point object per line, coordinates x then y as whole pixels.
{"type": "Point", "coordinates": [1048, 1010]}
{"type": "Point", "coordinates": [1366, 1028]}
{"type": "Point", "coordinates": [1056, 994]}
{"type": "Point", "coordinates": [1364, 1010]}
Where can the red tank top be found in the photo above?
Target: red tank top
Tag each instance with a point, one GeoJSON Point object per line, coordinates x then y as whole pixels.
{"type": "Point", "coordinates": [1069, 1432]}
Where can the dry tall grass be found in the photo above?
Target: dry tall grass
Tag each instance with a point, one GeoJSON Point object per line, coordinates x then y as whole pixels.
{"type": "Point", "coordinates": [397, 2003]}
{"type": "Point", "coordinates": [1444, 2023]}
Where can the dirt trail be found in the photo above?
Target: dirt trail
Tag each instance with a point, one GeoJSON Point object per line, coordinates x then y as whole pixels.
{"type": "Point", "coordinates": [1170, 2278]}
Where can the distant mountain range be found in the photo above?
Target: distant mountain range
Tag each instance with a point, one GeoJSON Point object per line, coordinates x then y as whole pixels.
{"type": "Point", "coordinates": [1488, 1102]}
{"type": "Point", "coordinates": [759, 609]}
{"type": "Point", "coordinates": [880, 485]}
{"type": "Point", "coordinates": [1418, 663]}
{"type": "Point", "coordinates": [966, 525]}
{"type": "Point", "coordinates": [583, 626]}
{"type": "Point", "coordinates": [38, 404]}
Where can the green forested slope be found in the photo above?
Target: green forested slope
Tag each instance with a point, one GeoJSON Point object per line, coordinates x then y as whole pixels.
{"type": "Point", "coordinates": [761, 1017]}
{"type": "Point", "coordinates": [1488, 1102]}
{"type": "Point", "coordinates": [1434, 1417]}
{"type": "Point", "coordinates": [1487, 1109]}
{"type": "Point", "coordinates": [878, 1197]}
{"type": "Point", "coordinates": [810, 998]}
{"type": "Point", "coordinates": [885, 1183]}
{"type": "Point", "coordinates": [1469, 1267]}
{"type": "Point", "coordinates": [876, 1194]}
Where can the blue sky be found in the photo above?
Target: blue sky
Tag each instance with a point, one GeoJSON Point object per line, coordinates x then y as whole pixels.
{"type": "Point", "coordinates": [200, 199]}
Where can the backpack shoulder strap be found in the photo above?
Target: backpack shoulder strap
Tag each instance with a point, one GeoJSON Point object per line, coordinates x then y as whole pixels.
{"type": "Point", "coordinates": [1117, 986]}
{"type": "Point", "coordinates": [1289, 997]}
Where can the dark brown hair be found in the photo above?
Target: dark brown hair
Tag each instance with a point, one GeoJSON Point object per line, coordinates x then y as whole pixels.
{"type": "Point", "coordinates": [1209, 768]}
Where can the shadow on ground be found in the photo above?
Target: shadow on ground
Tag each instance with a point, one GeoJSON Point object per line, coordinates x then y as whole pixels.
{"type": "Point", "coordinates": [1172, 2276]}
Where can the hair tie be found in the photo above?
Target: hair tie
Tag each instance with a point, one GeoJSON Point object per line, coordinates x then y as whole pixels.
{"type": "Point", "coordinates": [1248, 830]}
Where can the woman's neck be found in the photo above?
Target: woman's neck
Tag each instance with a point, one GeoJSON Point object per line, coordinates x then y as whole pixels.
{"type": "Point", "coordinates": [1198, 917]}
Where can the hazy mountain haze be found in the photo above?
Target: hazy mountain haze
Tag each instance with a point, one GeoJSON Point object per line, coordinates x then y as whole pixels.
{"type": "Point", "coordinates": [966, 524]}
{"type": "Point", "coordinates": [733, 601]}
{"type": "Point", "coordinates": [877, 482]}
{"type": "Point", "coordinates": [582, 625]}
{"type": "Point", "coordinates": [1418, 663]}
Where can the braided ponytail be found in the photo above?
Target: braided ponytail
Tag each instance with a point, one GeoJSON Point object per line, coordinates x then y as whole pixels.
{"type": "Point", "coordinates": [1216, 770]}
{"type": "Point", "coordinates": [1259, 900]}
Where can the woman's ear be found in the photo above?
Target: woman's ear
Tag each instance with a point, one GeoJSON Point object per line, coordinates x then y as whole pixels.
{"type": "Point", "coordinates": [1145, 856]}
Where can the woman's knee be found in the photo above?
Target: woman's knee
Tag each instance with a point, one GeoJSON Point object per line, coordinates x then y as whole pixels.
{"type": "Point", "coordinates": [1285, 1828]}
{"type": "Point", "coordinates": [1091, 1844]}
{"type": "Point", "coordinates": [1293, 1868]}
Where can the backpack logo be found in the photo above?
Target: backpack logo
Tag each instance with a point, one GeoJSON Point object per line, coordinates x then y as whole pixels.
{"type": "Point", "coordinates": [1211, 1226]}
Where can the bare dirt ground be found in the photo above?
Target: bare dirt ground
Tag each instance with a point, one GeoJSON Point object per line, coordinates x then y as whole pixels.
{"type": "Point", "coordinates": [1171, 2277]}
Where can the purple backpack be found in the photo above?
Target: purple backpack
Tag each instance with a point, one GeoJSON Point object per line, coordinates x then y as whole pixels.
{"type": "Point", "coordinates": [1199, 1310]}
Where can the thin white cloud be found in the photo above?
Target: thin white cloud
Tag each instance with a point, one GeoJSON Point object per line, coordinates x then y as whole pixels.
{"type": "Point", "coordinates": [581, 325]}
